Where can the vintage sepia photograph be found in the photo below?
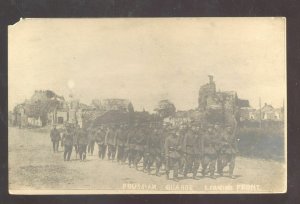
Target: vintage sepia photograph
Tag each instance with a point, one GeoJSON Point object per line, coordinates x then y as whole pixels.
{"type": "Point", "coordinates": [147, 106]}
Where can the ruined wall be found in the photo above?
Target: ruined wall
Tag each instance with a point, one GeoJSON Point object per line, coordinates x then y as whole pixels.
{"type": "Point", "coordinates": [207, 94]}
{"type": "Point", "coordinates": [219, 107]}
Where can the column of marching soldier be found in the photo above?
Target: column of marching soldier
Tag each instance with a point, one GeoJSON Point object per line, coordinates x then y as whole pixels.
{"type": "Point", "coordinates": [179, 148]}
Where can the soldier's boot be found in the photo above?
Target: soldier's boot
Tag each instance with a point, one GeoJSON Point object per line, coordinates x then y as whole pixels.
{"type": "Point", "coordinates": [231, 168]}
{"type": "Point", "coordinates": [195, 178]}
{"type": "Point", "coordinates": [181, 170]}
{"type": "Point", "coordinates": [157, 172]}
{"type": "Point", "coordinates": [129, 164]}
{"type": "Point", "coordinates": [113, 157]}
{"type": "Point", "coordinates": [68, 156]}
{"type": "Point", "coordinates": [65, 156]}
{"type": "Point", "coordinates": [195, 175]}
{"type": "Point", "coordinates": [167, 175]}
{"type": "Point", "coordinates": [232, 176]}
{"type": "Point", "coordinates": [175, 175]}
{"type": "Point", "coordinates": [175, 178]}
{"type": "Point", "coordinates": [203, 172]}
{"type": "Point", "coordinates": [212, 175]}
{"type": "Point", "coordinates": [212, 169]}
{"type": "Point", "coordinates": [145, 166]}
{"type": "Point", "coordinates": [220, 166]}
{"type": "Point", "coordinates": [204, 168]}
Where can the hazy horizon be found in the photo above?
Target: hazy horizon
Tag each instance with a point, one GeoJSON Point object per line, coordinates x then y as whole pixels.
{"type": "Point", "coordinates": [147, 60]}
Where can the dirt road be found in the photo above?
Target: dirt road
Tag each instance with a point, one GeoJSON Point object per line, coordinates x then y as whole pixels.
{"type": "Point", "coordinates": [33, 166]}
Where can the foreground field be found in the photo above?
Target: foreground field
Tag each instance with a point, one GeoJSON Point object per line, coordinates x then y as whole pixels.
{"type": "Point", "coordinates": [34, 168]}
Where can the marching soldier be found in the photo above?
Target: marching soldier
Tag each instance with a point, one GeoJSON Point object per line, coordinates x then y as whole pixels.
{"type": "Point", "coordinates": [126, 147]}
{"type": "Point", "coordinates": [210, 141]}
{"type": "Point", "coordinates": [164, 133]}
{"type": "Point", "coordinates": [182, 132]}
{"type": "Point", "coordinates": [68, 144]}
{"type": "Point", "coordinates": [153, 151]}
{"type": "Point", "coordinates": [91, 140]}
{"type": "Point", "coordinates": [218, 132]}
{"type": "Point", "coordinates": [55, 138]}
{"type": "Point", "coordinates": [75, 131]}
{"type": "Point", "coordinates": [198, 147]}
{"type": "Point", "coordinates": [111, 143]}
{"type": "Point", "coordinates": [121, 136]}
{"type": "Point", "coordinates": [100, 139]}
{"type": "Point", "coordinates": [172, 154]}
{"type": "Point", "coordinates": [148, 159]}
{"type": "Point", "coordinates": [228, 152]}
{"type": "Point", "coordinates": [140, 141]}
{"type": "Point", "coordinates": [82, 143]}
{"type": "Point", "coordinates": [61, 135]}
{"type": "Point", "coordinates": [191, 148]}
{"type": "Point", "coordinates": [130, 144]}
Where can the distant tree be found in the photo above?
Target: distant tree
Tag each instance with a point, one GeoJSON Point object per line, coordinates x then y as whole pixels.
{"type": "Point", "coordinates": [96, 103]}
{"type": "Point", "coordinates": [165, 108]}
{"type": "Point", "coordinates": [40, 104]}
{"type": "Point", "coordinates": [130, 108]}
{"type": "Point", "coordinates": [41, 109]}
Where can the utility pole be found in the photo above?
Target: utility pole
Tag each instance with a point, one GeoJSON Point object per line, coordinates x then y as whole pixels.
{"type": "Point", "coordinates": [259, 112]}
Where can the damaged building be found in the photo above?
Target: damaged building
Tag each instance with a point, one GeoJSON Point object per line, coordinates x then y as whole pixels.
{"type": "Point", "coordinates": [219, 106]}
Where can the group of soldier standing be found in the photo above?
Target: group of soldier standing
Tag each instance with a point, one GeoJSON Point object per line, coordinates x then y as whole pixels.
{"type": "Point", "coordinates": [178, 148]}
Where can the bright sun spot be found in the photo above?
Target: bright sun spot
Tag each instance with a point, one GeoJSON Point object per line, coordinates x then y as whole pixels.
{"type": "Point", "coordinates": [71, 84]}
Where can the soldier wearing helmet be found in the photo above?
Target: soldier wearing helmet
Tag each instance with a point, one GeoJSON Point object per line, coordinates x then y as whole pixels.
{"type": "Point", "coordinates": [209, 144]}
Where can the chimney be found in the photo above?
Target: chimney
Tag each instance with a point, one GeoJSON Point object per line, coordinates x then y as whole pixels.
{"type": "Point", "coordinates": [211, 79]}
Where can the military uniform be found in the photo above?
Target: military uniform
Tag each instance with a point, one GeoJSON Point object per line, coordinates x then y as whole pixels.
{"type": "Point", "coordinates": [68, 144]}
{"type": "Point", "coordinates": [153, 151]}
{"type": "Point", "coordinates": [210, 144]}
{"type": "Point", "coordinates": [61, 134]}
{"type": "Point", "coordinates": [227, 153]}
{"type": "Point", "coordinates": [82, 140]}
{"type": "Point", "coordinates": [191, 148]}
{"type": "Point", "coordinates": [111, 144]}
{"type": "Point", "coordinates": [121, 136]}
{"type": "Point", "coordinates": [55, 138]}
{"type": "Point", "coordinates": [164, 133]}
{"type": "Point", "coordinates": [140, 142]}
{"type": "Point", "coordinates": [100, 139]}
{"type": "Point", "coordinates": [92, 140]}
{"type": "Point", "coordinates": [75, 132]}
{"type": "Point", "coordinates": [182, 163]}
{"type": "Point", "coordinates": [172, 154]}
{"type": "Point", "coordinates": [130, 145]}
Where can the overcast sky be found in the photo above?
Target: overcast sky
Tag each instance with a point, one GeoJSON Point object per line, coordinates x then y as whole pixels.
{"type": "Point", "coordinates": [146, 60]}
